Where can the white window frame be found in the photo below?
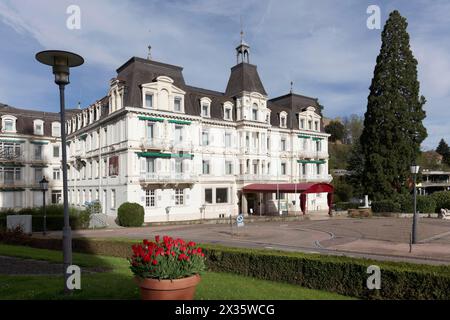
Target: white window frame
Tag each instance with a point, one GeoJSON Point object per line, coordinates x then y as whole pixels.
{"type": "Point", "coordinates": [150, 198]}
{"type": "Point", "coordinates": [207, 103]}
{"type": "Point", "coordinates": [37, 123]}
{"type": "Point", "coordinates": [56, 129]}
{"type": "Point", "coordinates": [179, 197]}
{"type": "Point", "coordinates": [6, 118]}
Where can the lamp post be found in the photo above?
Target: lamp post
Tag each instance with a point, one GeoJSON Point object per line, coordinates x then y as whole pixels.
{"type": "Point", "coordinates": [61, 61]}
{"type": "Point", "coordinates": [44, 187]}
{"type": "Point", "coordinates": [415, 170]}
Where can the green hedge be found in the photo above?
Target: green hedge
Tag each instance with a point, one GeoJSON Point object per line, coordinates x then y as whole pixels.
{"type": "Point", "coordinates": [130, 215]}
{"type": "Point", "coordinates": [386, 206]}
{"type": "Point", "coordinates": [442, 199]}
{"type": "Point", "coordinates": [79, 219]}
{"type": "Point", "coordinates": [426, 204]}
{"type": "Point", "coordinates": [343, 275]}
{"type": "Point", "coordinates": [346, 205]}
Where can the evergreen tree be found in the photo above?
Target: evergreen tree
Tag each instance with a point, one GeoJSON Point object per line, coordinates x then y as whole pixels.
{"type": "Point", "coordinates": [336, 129]}
{"type": "Point", "coordinates": [393, 129]}
{"type": "Point", "coordinates": [443, 148]}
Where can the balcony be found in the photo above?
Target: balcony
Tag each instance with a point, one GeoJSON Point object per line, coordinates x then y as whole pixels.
{"type": "Point", "coordinates": [315, 178]}
{"type": "Point", "coordinates": [312, 154]}
{"type": "Point", "coordinates": [261, 177]}
{"type": "Point", "coordinates": [13, 184]}
{"type": "Point", "coordinates": [167, 178]}
{"type": "Point", "coordinates": [166, 144]}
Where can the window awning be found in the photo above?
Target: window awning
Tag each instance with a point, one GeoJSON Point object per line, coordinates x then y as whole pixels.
{"type": "Point", "coordinates": [309, 187]}
{"type": "Point", "coordinates": [303, 136]}
{"type": "Point", "coordinates": [312, 161]}
{"type": "Point", "coordinates": [162, 120]}
{"type": "Point", "coordinates": [164, 155]}
{"type": "Point", "coordinates": [39, 142]}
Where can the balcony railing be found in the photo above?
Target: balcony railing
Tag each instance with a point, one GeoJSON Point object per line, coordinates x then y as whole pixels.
{"type": "Point", "coordinates": [261, 177]}
{"type": "Point", "coordinates": [313, 154]}
{"type": "Point", "coordinates": [166, 144]}
{"type": "Point", "coordinates": [153, 177]}
{"type": "Point", "coordinates": [11, 183]}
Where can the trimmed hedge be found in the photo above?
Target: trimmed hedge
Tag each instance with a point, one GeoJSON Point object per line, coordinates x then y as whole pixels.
{"type": "Point", "coordinates": [343, 275]}
{"type": "Point", "coordinates": [386, 206]}
{"type": "Point", "coordinates": [130, 215]}
{"type": "Point", "coordinates": [426, 204]}
{"type": "Point", "coordinates": [79, 219]}
{"type": "Point", "coordinates": [346, 205]}
{"type": "Point", "coordinates": [442, 199]}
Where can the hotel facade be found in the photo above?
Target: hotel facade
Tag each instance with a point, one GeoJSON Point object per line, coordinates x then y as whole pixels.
{"type": "Point", "coordinates": [187, 153]}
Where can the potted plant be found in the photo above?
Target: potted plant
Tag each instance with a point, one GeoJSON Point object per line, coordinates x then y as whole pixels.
{"type": "Point", "coordinates": [168, 269]}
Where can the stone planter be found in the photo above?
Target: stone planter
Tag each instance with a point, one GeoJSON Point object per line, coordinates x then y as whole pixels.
{"type": "Point", "coordinates": [178, 289]}
{"type": "Point", "coordinates": [360, 213]}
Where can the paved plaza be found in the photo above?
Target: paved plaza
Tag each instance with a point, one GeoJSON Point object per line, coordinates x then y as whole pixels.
{"type": "Point", "coordinates": [377, 238]}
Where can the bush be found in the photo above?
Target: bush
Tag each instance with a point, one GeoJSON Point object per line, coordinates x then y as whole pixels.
{"type": "Point", "coordinates": [442, 198]}
{"type": "Point", "coordinates": [426, 204]}
{"type": "Point", "coordinates": [386, 206]}
{"type": "Point", "coordinates": [79, 219]}
{"type": "Point", "coordinates": [346, 205]}
{"type": "Point", "coordinates": [130, 215]}
{"type": "Point", "coordinates": [406, 202]}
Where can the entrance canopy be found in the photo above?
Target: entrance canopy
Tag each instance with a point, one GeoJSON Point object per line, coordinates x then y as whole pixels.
{"type": "Point", "coordinates": [308, 187]}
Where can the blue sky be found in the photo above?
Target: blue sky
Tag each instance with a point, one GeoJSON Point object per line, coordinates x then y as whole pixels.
{"type": "Point", "coordinates": [323, 46]}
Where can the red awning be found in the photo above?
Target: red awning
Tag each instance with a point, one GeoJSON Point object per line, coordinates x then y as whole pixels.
{"type": "Point", "coordinates": [309, 187]}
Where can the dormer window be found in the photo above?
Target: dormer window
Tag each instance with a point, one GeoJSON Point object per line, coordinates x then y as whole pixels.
{"type": "Point", "coordinates": [310, 124]}
{"type": "Point", "coordinates": [8, 124]}
{"type": "Point", "coordinates": [205, 105]}
{"type": "Point", "coordinates": [227, 115]}
{"type": "Point", "coordinates": [177, 104]}
{"type": "Point", "coordinates": [149, 101]}
{"type": "Point", "coordinates": [302, 123]}
{"type": "Point", "coordinates": [56, 129]}
{"type": "Point", "coordinates": [228, 111]}
{"type": "Point", "coordinates": [283, 121]}
{"type": "Point", "coordinates": [255, 112]}
{"type": "Point", "coordinates": [38, 127]}
{"type": "Point", "coordinates": [205, 110]}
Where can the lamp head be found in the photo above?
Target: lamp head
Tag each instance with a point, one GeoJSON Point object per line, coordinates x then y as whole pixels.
{"type": "Point", "coordinates": [415, 169]}
{"type": "Point", "coordinates": [43, 184]}
{"type": "Point", "coordinates": [61, 61]}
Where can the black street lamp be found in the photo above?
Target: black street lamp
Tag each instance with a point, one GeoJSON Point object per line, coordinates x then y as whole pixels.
{"type": "Point", "coordinates": [415, 170]}
{"type": "Point", "coordinates": [44, 187]}
{"type": "Point", "coordinates": [61, 61]}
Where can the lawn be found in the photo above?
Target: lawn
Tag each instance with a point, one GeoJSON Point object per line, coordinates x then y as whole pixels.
{"type": "Point", "coordinates": [117, 282]}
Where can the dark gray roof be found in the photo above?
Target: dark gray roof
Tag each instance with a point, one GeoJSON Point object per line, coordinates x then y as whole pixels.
{"type": "Point", "coordinates": [138, 71]}
{"type": "Point", "coordinates": [292, 104]}
{"type": "Point", "coordinates": [26, 117]}
{"type": "Point", "coordinates": [244, 77]}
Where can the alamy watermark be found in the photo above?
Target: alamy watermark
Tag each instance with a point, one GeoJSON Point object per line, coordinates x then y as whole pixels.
{"type": "Point", "coordinates": [74, 280]}
{"type": "Point", "coordinates": [374, 20]}
{"type": "Point", "coordinates": [73, 22]}
{"type": "Point", "coordinates": [374, 280]}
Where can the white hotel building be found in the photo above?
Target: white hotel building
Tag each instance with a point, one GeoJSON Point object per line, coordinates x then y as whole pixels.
{"type": "Point", "coordinates": [30, 148]}
{"type": "Point", "coordinates": [187, 153]}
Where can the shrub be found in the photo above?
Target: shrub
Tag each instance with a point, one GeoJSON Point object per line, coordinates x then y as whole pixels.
{"type": "Point", "coordinates": [167, 259]}
{"type": "Point", "coordinates": [406, 202]}
{"type": "Point", "coordinates": [386, 206]}
{"type": "Point", "coordinates": [441, 198]}
{"type": "Point", "coordinates": [426, 204]}
{"type": "Point", "coordinates": [346, 205]}
{"type": "Point", "coordinates": [130, 215]}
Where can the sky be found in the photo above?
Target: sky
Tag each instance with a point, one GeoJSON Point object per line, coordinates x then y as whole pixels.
{"type": "Point", "coordinates": [324, 47]}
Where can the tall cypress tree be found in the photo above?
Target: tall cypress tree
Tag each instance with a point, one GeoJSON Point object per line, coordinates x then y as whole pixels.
{"type": "Point", "coordinates": [393, 129]}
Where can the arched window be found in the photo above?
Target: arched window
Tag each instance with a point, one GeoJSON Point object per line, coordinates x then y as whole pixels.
{"type": "Point", "coordinates": [8, 123]}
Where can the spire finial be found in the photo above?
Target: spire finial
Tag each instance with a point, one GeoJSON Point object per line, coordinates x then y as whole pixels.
{"type": "Point", "coordinates": [292, 84]}
{"type": "Point", "coordinates": [149, 55]}
{"type": "Point", "coordinates": [242, 30]}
